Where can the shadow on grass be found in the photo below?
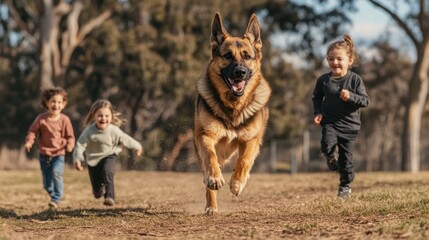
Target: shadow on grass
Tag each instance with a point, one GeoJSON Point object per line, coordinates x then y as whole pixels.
{"type": "Point", "coordinates": [80, 213]}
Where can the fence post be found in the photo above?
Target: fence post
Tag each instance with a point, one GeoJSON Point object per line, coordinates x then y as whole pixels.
{"type": "Point", "coordinates": [293, 164]}
{"type": "Point", "coordinates": [273, 156]}
{"type": "Point", "coordinates": [306, 149]}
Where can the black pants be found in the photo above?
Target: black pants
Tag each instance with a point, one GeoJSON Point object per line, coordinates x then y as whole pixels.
{"type": "Point", "coordinates": [345, 141]}
{"type": "Point", "coordinates": [102, 175]}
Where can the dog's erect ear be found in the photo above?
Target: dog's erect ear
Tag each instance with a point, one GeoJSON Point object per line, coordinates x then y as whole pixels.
{"type": "Point", "coordinates": [219, 34]}
{"type": "Point", "coordinates": [253, 33]}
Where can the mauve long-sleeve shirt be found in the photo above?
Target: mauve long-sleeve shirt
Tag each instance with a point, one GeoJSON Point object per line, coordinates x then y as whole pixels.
{"type": "Point", "coordinates": [53, 136]}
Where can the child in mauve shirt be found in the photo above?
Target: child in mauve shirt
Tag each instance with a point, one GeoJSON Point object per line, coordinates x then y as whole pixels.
{"type": "Point", "coordinates": [55, 136]}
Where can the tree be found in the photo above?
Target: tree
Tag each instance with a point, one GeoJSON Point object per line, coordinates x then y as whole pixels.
{"type": "Point", "coordinates": [145, 58]}
{"type": "Point", "coordinates": [386, 74]}
{"type": "Point", "coordinates": [416, 27]}
{"type": "Point", "coordinates": [60, 31]}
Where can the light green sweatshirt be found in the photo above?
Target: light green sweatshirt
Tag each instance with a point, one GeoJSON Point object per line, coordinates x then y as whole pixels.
{"type": "Point", "coordinates": [97, 144]}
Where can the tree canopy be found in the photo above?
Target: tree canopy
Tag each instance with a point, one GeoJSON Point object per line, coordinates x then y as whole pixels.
{"type": "Point", "coordinates": [145, 57]}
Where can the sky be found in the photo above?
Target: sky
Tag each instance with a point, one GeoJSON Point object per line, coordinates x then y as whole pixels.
{"type": "Point", "coordinates": [370, 22]}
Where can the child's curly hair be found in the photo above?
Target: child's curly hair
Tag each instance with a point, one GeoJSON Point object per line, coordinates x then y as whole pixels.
{"type": "Point", "coordinates": [50, 92]}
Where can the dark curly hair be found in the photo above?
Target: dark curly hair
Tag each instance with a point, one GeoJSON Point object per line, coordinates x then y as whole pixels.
{"type": "Point", "coordinates": [50, 92]}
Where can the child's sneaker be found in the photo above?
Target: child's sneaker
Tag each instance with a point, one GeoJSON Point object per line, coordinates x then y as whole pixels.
{"type": "Point", "coordinates": [100, 192]}
{"type": "Point", "coordinates": [53, 205]}
{"type": "Point", "coordinates": [109, 202]}
{"type": "Point", "coordinates": [344, 192]}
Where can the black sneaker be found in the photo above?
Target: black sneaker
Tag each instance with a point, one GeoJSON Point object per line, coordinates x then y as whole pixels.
{"type": "Point", "coordinates": [332, 160]}
{"type": "Point", "coordinates": [100, 193]}
{"type": "Point", "coordinates": [344, 192]}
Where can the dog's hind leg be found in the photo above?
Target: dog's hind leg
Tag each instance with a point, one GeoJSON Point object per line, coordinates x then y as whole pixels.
{"type": "Point", "coordinates": [211, 206]}
{"type": "Point", "coordinates": [246, 157]}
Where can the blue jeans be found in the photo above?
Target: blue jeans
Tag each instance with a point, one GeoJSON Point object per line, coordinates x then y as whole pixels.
{"type": "Point", "coordinates": [52, 172]}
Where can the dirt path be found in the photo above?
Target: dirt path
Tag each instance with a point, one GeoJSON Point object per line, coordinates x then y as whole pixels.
{"type": "Point", "coordinates": [156, 205]}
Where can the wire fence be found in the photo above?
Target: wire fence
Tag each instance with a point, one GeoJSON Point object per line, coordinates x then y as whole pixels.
{"type": "Point", "coordinates": [303, 154]}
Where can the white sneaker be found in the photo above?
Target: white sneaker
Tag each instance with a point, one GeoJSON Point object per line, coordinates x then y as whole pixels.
{"type": "Point", "coordinates": [109, 202]}
{"type": "Point", "coordinates": [53, 205]}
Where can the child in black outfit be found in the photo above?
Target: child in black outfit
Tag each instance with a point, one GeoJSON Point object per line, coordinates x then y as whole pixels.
{"type": "Point", "coordinates": [337, 99]}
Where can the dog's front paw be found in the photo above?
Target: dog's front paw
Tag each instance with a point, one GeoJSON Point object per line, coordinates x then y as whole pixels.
{"type": "Point", "coordinates": [214, 183]}
{"type": "Point", "coordinates": [210, 210]}
{"type": "Point", "coordinates": [236, 186]}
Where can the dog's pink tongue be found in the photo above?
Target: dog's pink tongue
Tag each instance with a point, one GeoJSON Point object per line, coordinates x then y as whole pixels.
{"type": "Point", "coordinates": [238, 86]}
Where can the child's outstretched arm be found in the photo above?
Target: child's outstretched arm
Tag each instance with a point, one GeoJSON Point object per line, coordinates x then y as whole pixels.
{"type": "Point", "coordinates": [128, 141]}
{"type": "Point", "coordinates": [139, 152]}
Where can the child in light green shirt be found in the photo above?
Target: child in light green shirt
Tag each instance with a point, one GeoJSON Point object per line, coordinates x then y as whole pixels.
{"type": "Point", "coordinates": [98, 146]}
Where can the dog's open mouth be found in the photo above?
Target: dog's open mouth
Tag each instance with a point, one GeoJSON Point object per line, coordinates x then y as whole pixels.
{"type": "Point", "coordinates": [236, 86]}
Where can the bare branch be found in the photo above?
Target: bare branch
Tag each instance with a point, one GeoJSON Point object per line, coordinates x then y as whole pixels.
{"type": "Point", "coordinates": [69, 37]}
{"type": "Point", "coordinates": [87, 28]}
{"type": "Point", "coordinates": [59, 11]}
{"type": "Point", "coordinates": [423, 18]}
{"type": "Point", "coordinates": [399, 21]}
{"type": "Point", "coordinates": [21, 24]}
{"type": "Point", "coordinates": [182, 139]}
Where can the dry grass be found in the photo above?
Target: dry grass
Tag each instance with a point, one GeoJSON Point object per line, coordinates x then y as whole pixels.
{"type": "Point", "coordinates": [155, 205]}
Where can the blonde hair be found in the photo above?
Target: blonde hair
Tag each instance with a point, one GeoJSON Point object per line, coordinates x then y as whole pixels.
{"type": "Point", "coordinates": [347, 44]}
{"type": "Point", "coordinates": [50, 92]}
{"type": "Point", "coordinates": [103, 103]}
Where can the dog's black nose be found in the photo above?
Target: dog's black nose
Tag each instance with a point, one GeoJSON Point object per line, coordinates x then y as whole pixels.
{"type": "Point", "coordinates": [240, 72]}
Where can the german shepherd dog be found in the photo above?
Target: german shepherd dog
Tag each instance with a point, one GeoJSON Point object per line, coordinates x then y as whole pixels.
{"type": "Point", "coordinates": [230, 113]}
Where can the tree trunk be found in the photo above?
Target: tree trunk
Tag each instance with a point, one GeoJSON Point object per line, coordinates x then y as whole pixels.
{"type": "Point", "coordinates": [418, 86]}
{"type": "Point", "coordinates": [414, 109]}
{"type": "Point", "coordinates": [46, 24]}
{"type": "Point", "coordinates": [53, 60]}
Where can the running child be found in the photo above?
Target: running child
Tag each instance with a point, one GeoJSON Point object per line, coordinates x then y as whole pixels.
{"type": "Point", "coordinates": [98, 145]}
{"type": "Point", "coordinates": [55, 136]}
{"type": "Point", "coordinates": [338, 98]}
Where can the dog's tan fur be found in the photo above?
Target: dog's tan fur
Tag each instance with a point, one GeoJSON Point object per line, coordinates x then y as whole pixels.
{"type": "Point", "coordinates": [228, 124]}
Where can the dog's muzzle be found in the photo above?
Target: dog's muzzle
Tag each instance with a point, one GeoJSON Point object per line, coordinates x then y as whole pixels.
{"type": "Point", "coordinates": [236, 79]}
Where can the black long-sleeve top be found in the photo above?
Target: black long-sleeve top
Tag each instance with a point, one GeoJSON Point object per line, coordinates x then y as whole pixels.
{"type": "Point", "coordinates": [344, 115]}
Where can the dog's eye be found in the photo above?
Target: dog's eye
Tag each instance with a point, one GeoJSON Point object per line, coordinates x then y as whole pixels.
{"type": "Point", "coordinates": [247, 56]}
{"type": "Point", "coordinates": [228, 56]}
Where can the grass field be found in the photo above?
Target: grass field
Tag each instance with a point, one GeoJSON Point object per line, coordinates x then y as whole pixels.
{"type": "Point", "coordinates": [166, 205]}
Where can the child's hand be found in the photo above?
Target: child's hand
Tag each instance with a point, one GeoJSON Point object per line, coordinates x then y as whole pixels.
{"type": "Point", "coordinates": [139, 152]}
{"type": "Point", "coordinates": [27, 147]}
{"type": "Point", "coordinates": [78, 165]}
{"type": "Point", "coordinates": [318, 118]}
{"type": "Point", "coordinates": [344, 95]}
{"type": "Point", "coordinates": [69, 148]}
